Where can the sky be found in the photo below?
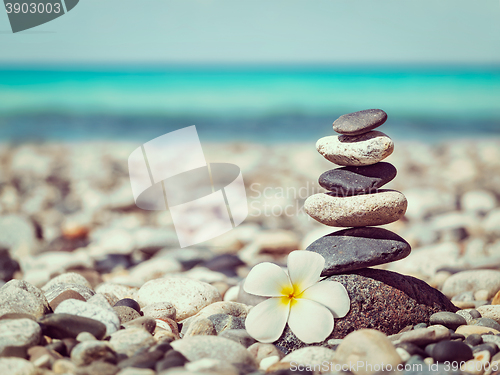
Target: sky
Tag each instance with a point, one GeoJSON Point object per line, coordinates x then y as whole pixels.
{"type": "Point", "coordinates": [261, 31]}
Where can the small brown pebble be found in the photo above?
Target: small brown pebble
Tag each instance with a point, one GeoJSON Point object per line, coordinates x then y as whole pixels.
{"type": "Point", "coordinates": [67, 294]}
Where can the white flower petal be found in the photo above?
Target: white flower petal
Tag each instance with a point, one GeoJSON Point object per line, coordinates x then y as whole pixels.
{"type": "Point", "coordinates": [331, 294]}
{"type": "Point", "coordinates": [266, 321]}
{"type": "Point", "coordinates": [304, 268]}
{"type": "Point", "coordinates": [268, 280]}
{"type": "Point", "coordinates": [310, 321]}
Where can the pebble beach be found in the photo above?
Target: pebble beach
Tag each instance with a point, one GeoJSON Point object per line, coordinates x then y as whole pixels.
{"type": "Point", "coordinates": [91, 284]}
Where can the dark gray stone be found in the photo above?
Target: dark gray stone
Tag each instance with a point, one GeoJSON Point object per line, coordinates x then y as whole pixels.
{"type": "Point", "coordinates": [382, 300]}
{"type": "Point", "coordinates": [449, 351]}
{"type": "Point", "coordinates": [357, 248]}
{"type": "Point", "coordinates": [347, 181]}
{"type": "Point", "coordinates": [142, 360]}
{"type": "Point", "coordinates": [171, 359]}
{"type": "Point", "coordinates": [129, 302]}
{"type": "Point", "coordinates": [473, 339]}
{"type": "Point", "coordinates": [61, 326]}
{"type": "Point", "coordinates": [448, 319]}
{"type": "Point", "coordinates": [485, 322]}
{"type": "Point", "coordinates": [475, 314]}
{"type": "Point", "coordinates": [359, 122]}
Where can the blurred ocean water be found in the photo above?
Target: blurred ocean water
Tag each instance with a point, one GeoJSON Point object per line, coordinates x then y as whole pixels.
{"type": "Point", "coordinates": [272, 104]}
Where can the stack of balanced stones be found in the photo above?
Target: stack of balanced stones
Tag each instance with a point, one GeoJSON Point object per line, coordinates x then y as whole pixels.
{"type": "Point", "coordinates": [354, 199]}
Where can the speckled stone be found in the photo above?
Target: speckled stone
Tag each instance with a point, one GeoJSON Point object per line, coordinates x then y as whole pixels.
{"type": "Point", "coordinates": [197, 347]}
{"type": "Point", "coordinates": [224, 321]}
{"type": "Point", "coordinates": [160, 310]}
{"type": "Point", "coordinates": [359, 122]}
{"type": "Point", "coordinates": [67, 294]}
{"type": "Point", "coordinates": [56, 289]}
{"type": "Point", "coordinates": [356, 150]}
{"type": "Point", "coordinates": [357, 180]}
{"type": "Point", "coordinates": [16, 334]}
{"type": "Point", "coordinates": [126, 314]}
{"type": "Point", "coordinates": [380, 208]}
{"type": "Point", "coordinates": [357, 248]}
{"type": "Point", "coordinates": [382, 300]}
{"type": "Point", "coordinates": [369, 347]}
{"type": "Point", "coordinates": [19, 296]}
{"type": "Point", "coordinates": [188, 296]}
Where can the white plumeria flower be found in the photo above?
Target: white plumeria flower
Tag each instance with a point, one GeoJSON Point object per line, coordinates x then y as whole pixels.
{"type": "Point", "coordinates": [309, 307]}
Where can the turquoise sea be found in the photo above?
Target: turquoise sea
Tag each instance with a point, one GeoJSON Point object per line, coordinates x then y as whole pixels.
{"type": "Point", "coordinates": [259, 104]}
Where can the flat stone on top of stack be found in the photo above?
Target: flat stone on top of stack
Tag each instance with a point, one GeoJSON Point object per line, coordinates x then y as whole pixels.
{"type": "Point", "coordinates": [359, 122]}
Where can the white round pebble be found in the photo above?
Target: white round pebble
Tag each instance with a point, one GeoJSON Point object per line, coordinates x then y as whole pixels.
{"type": "Point", "coordinates": [268, 362]}
{"type": "Point", "coordinates": [16, 366]}
{"type": "Point", "coordinates": [364, 149]}
{"type": "Point", "coordinates": [368, 346]}
{"type": "Point", "coordinates": [67, 278]}
{"type": "Point", "coordinates": [312, 355]}
{"type": "Point", "coordinates": [197, 347]}
{"type": "Point", "coordinates": [231, 294]}
{"type": "Point", "coordinates": [19, 332]}
{"type": "Point", "coordinates": [187, 296]}
{"type": "Point", "coordinates": [20, 296]}
{"type": "Point", "coordinates": [490, 311]}
{"type": "Point", "coordinates": [160, 310]}
{"type": "Point", "coordinates": [380, 208]}
{"type": "Point", "coordinates": [128, 341]}
{"type": "Point", "coordinates": [472, 280]}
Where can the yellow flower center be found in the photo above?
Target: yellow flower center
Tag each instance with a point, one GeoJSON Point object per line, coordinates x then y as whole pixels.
{"type": "Point", "coordinates": [290, 294]}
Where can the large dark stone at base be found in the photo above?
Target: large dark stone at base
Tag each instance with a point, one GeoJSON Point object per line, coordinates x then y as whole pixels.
{"type": "Point", "coordinates": [357, 248]}
{"type": "Point", "coordinates": [382, 300]}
